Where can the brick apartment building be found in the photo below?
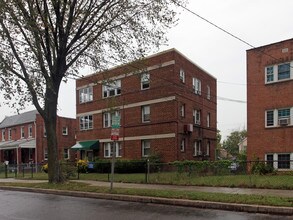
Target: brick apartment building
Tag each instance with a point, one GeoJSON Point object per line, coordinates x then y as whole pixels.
{"type": "Point", "coordinates": [23, 138]}
{"type": "Point", "coordinates": [270, 104]}
{"type": "Point", "coordinates": [166, 103]}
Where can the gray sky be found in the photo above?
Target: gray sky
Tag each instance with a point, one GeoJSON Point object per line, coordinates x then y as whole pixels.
{"type": "Point", "coordinates": [258, 22]}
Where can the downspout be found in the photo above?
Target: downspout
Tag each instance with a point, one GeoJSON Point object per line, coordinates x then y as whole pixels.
{"type": "Point", "coordinates": [36, 155]}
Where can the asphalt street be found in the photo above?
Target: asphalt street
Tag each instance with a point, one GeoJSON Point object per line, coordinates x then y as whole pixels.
{"type": "Point", "coordinates": [35, 206]}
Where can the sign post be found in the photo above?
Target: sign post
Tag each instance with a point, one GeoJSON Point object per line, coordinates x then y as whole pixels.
{"type": "Point", "coordinates": [114, 138]}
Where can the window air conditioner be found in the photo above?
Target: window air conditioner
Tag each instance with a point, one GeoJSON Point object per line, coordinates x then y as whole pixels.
{"type": "Point", "coordinates": [188, 128]}
{"type": "Point", "coordinates": [284, 121]}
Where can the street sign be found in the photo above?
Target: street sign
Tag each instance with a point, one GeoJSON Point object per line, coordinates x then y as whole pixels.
{"type": "Point", "coordinates": [115, 134]}
{"type": "Point", "coordinates": [116, 122]}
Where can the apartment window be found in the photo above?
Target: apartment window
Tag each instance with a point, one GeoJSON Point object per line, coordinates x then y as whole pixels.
{"type": "Point", "coordinates": [30, 131]}
{"type": "Point", "coordinates": [146, 148]}
{"type": "Point", "coordinates": [208, 148]}
{"type": "Point", "coordinates": [270, 160]}
{"type": "Point", "coordinates": [196, 117]}
{"type": "Point", "coordinates": [182, 110]}
{"type": "Point", "coordinates": [283, 161]}
{"type": "Point", "coordinates": [208, 119]}
{"type": "Point", "coordinates": [284, 116]}
{"type": "Point", "coordinates": [270, 74]}
{"type": "Point", "coordinates": [86, 122]}
{"type": "Point", "coordinates": [108, 149]}
{"type": "Point", "coordinates": [46, 154]}
{"type": "Point", "coordinates": [146, 113]}
{"type": "Point", "coordinates": [208, 92]}
{"type": "Point", "coordinates": [9, 134]}
{"type": "Point", "coordinates": [145, 81]}
{"type": "Point", "coordinates": [3, 134]}
{"type": "Point", "coordinates": [30, 154]}
{"type": "Point", "coordinates": [270, 118]}
{"type": "Point", "coordinates": [112, 89]}
{"type": "Point", "coordinates": [22, 132]}
{"type": "Point", "coordinates": [108, 118]}
{"type": "Point", "coordinates": [65, 130]}
{"type": "Point", "coordinates": [66, 153]}
{"type": "Point", "coordinates": [45, 132]}
{"type": "Point", "coordinates": [182, 145]}
{"type": "Point", "coordinates": [196, 85]}
{"type": "Point", "coordinates": [197, 148]}
{"type": "Point", "coordinates": [182, 75]}
{"type": "Point", "coordinates": [86, 94]}
{"type": "Point", "coordinates": [284, 71]}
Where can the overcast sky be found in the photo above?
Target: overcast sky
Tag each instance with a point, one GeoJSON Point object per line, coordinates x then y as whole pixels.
{"type": "Point", "coordinates": [258, 22]}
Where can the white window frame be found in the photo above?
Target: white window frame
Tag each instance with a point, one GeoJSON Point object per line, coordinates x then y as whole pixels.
{"type": "Point", "coordinates": [3, 134]}
{"type": "Point", "coordinates": [182, 145]}
{"type": "Point", "coordinates": [45, 154]}
{"type": "Point", "coordinates": [22, 135]}
{"type": "Point", "coordinates": [86, 122]}
{"type": "Point", "coordinates": [145, 81]}
{"type": "Point", "coordinates": [145, 146]}
{"type": "Point", "coordinates": [108, 149]}
{"type": "Point", "coordinates": [266, 118]}
{"type": "Point", "coordinates": [196, 117]}
{"type": "Point", "coordinates": [30, 131]}
{"type": "Point", "coordinates": [145, 113]}
{"type": "Point", "coordinates": [209, 120]}
{"type": "Point", "coordinates": [9, 134]}
{"type": "Point", "coordinates": [272, 73]}
{"type": "Point", "coordinates": [208, 92]}
{"type": "Point", "coordinates": [208, 148]}
{"type": "Point", "coordinates": [182, 75]}
{"type": "Point", "coordinates": [197, 151]}
{"type": "Point", "coordinates": [110, 89]}
{"type": "Point", "coordinates": [66, 153]}
{"type": "Point", "coordinates": [45, 132]}
{"type": "Point", "coordinates": [65, 131]}
{"type": "Point", "coordinates": [182, 110]}
{"type": "Point", "coordinates": [196, 85]}
{"type": "Point", "coordinates": [108, 118]}
{"type": "Point", "coordinates": [86, 94]}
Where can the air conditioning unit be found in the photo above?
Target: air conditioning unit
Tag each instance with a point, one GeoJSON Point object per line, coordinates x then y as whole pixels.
{"type": "Point", "coordinates": [199, 153]}
{"type": "Point", "coordinates": [188, 128]}
{"type": "Point", "coordinates": [284, 121]}
{"type": "Point", "coordinates": [197, 122]}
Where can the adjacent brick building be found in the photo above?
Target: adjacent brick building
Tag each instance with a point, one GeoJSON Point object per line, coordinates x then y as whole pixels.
{"type": "Point", "coordinates": [166, 103]}
{"type": "Point", "coordinates": [270, 104]}
{"type": "Point", "coordinates": [23, 138]}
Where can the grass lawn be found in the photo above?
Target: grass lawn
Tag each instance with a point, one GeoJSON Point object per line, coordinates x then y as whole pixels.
{"type": "Point", "coordinates": [205, 196]}
{"type": "Point", "coordinates": [246, 181]}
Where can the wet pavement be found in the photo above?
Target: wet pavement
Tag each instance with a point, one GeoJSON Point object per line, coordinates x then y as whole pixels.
{"type": "Point", "coordinates": [36, 206]}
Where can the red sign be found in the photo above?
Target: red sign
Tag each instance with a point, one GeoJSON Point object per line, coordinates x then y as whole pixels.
{"type": "Point", "coordinates": [115, 134]}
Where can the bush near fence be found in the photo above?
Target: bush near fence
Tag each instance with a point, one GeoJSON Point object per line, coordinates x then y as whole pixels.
{"type": "Point", "coordinates": [121, 166]}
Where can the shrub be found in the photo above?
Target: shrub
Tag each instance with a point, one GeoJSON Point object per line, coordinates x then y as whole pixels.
{"type": "Point", "coordinates": [81, 166]}
{"type": "Point", "coordinates": [261, 168]}
{"type": "Point", "coordinates": [121, 166]}
{"type": "Point", "coordinates": [45, 168]}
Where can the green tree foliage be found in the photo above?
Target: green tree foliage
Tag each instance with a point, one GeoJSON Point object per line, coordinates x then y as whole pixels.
{"type": "Point", "coordinates": [232, 141]}
{"type": "Point", "coordinates": [43, 42]}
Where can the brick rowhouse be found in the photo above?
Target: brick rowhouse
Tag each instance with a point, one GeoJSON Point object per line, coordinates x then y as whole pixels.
{"type": "Point", "coordinates": [23, 138]}
{"type": "Point", "coordinates": [167, 105]}
{"type": "Point", "coordinates": [270, 104]}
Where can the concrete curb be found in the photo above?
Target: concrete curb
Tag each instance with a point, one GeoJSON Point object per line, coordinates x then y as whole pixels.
{"type": "Point", "coordinates": [176, 202]}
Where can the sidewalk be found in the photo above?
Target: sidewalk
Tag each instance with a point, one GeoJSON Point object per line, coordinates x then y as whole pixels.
{"type": "Point", "coordinates": [178, 202]}
{"type": "Point", "coordinates": [248, 191]}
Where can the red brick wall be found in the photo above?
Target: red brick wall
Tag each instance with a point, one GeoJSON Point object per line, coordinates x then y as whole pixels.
{"type": "Point", "coordinates": [165, 119]}
{"type": "Point", "coordinates": [262, 97]}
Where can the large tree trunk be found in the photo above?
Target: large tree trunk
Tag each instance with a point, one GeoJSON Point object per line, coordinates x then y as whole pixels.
{"type": "Point", "coordinates": [54, 171]}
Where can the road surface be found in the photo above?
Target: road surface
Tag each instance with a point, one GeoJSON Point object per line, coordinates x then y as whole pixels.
{"type": "Point", "coordinates": [35, 206]}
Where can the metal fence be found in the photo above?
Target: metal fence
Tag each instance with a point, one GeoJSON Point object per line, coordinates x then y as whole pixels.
{"type": "Point", "coordinates": [145, 171]}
